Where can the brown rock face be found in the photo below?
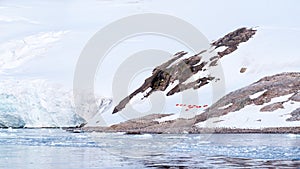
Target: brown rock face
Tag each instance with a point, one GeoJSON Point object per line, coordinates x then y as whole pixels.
{"type": "Point", "coordinates": [243, 70]}
{"type": "Point", "coordinates": [296, 97]}
{"type": "Point", "coordinates": [272, 107]}
{"type": "Point", "coordinates": [295, 115]}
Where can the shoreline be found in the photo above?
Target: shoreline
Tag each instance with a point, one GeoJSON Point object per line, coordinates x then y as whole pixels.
{"type": "Point", "coordinates": [191, 130]}
{"type": "Point", "coordinates": [194, 130]}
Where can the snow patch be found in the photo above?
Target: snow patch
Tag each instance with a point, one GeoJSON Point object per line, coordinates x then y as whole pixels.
{"type": "Point", "coordinates": [184, 115]}
{"type": "Point", "coordinates": [168, 118]}
{"type": "Point", "coordinates": [220, 49]}
{"type": "Point", "coordinates": [256, 95]}
{"type": "Point", "coordinates": [225, 107]}
{"type": "Point", "coordinates": [281, 98]}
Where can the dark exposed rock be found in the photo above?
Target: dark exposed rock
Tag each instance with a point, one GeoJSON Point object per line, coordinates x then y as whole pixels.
{"type": "Point", "coordinates": [179, 70]}
{"type": "Point", "coordinates": [295, 115]}
{"type": "Point", "coordinates": [296, 97]}
{"type": "Point", "coordinates": [243, 70]}
{"type": "Point", "coordinates": [233, 39]}
{"type": "Point", "coordinates": [133, 132]}
{"type": "Point", "coordinates": [272, 107]}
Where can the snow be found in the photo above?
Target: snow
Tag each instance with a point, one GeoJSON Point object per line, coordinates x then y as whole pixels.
{"type": "Point", "coordinates": [18, 51]}
{"type": "Point", "coordinates": [273, 100]}
{"type": "Point", "coordinates": [251, 118]}
{"type": "Point", "coordinates": [263, 55]}
{"type": "Point", "coordinates": [226, 106]}
{"type": "Point", "coordinates": [184, 115]}
{"type": "Point", "coordinates": [281, 98]}
{"type": "Point", "coordinates": [256, 95]}
{"type": "Point", "coordinates": [220, 49]}
{"type": "Point", "coordinates": [168, 118]}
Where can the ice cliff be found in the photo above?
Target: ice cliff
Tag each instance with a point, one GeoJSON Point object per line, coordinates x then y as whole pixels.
{"type": "Point", "coordinates": [38, 103]}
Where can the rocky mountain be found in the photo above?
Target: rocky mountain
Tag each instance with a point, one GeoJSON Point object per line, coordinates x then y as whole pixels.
{"type": "Point", "coordinates": [264, 93]}
{"type": "Point", "coordinates": [272, 104]}
{"type": "Point", "coordinates": [181, 70]}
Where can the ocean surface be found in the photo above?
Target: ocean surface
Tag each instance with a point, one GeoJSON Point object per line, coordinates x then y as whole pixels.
{"type": "Point", "coordinates": [56, 148]}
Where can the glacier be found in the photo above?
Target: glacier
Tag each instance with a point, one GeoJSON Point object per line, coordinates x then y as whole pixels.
{"type": "Point", "coordinates": [31, 99]}
{"type": "Point", "coordinates": [18, 51]}
{"type": "Point", "coordinates": [35, 103]}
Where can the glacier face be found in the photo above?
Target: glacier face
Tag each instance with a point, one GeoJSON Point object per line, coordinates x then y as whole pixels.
{"type": "Point", "coordinates": [26, 99]}
{"type": "Point", "coordinates": [38, 103]}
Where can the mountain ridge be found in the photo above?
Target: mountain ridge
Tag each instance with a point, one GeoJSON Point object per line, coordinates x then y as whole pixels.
{"type": "Point", "coordinates": [284, 88]}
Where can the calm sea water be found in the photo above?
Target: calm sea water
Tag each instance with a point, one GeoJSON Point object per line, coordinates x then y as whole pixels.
{"type": "Point", "coordinates": [55, 148]}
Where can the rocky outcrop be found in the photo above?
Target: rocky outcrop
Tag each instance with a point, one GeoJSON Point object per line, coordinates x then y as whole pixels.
{"type": "Point", "coordinates": [179, 70]}
{"type": "Point", "coordinates": [295, 115]}
{"type": "Point", "coordinates": [243, 70]}
{"type": "Point", "coordinates": [296, 97]}
{"type": "Point", "coordinates": [272, 107]}
{"type": "Point", "coordinates": [271, 86]}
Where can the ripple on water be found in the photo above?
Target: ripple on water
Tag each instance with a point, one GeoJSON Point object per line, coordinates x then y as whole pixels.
{"type": "Point", "coordinates": [76, 150]}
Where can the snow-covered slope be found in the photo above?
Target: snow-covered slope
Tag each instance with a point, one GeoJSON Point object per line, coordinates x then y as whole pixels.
{"type": "Point", "coordinates": [251, 117]}
{"type": "Point", "coordinates": [271, 51]}
{"type": "Point", "coordinates": [270, 102]}
{"type": "Point", "coordinates": [18, 51]}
